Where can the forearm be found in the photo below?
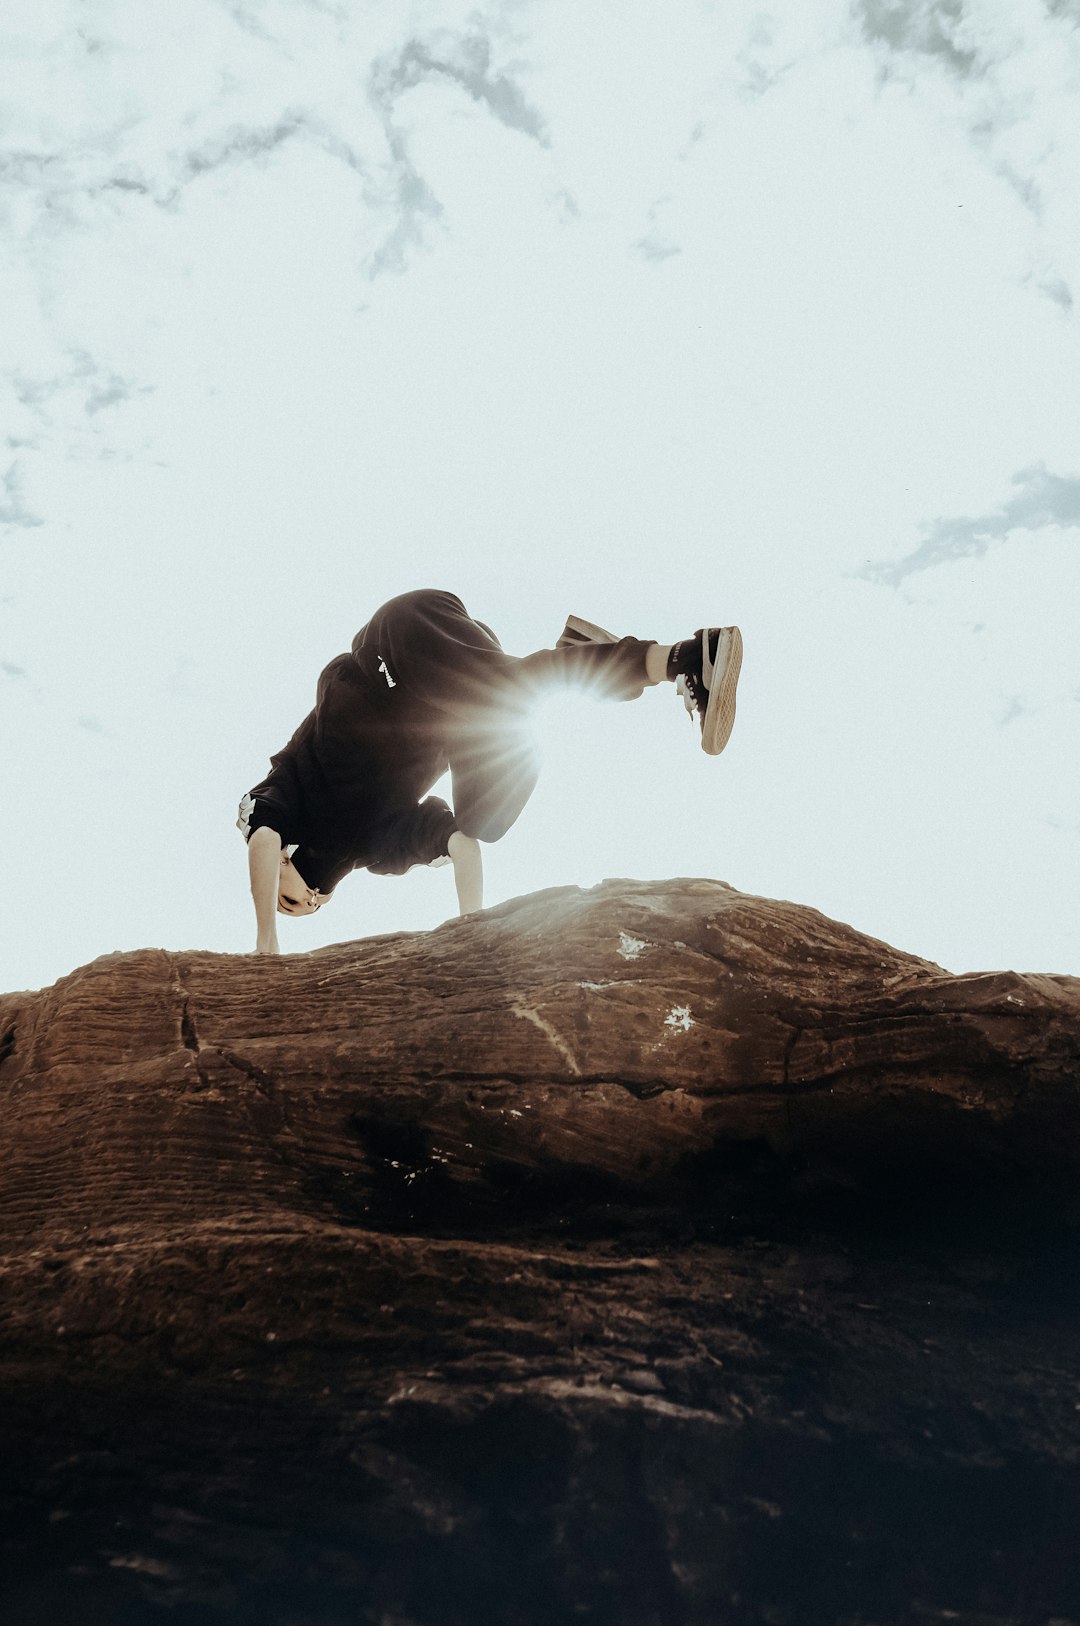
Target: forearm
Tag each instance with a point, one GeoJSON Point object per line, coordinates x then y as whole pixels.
{"type": "Point", "coordinates": [264, 864]}
{"type": "Point", "coordinates": [468, 872]}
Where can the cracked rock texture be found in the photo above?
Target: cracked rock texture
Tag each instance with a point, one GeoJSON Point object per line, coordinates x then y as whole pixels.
{"type": "Point", "coordinates": [642, 1255]}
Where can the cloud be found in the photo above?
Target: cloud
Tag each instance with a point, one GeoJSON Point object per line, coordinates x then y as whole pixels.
{"type": "Point", "coordinates": [248, 23]}
{"type": "Point", "coordinates": [655, 245]}
{"type": "Point", "coordinates": [10, 670]}
{"type": "Point", "coordinates": [22, 168]}
{"type": "Point", "coordinates": [65, 402]}
{"type": "Point", "coordinates": [242, 144]}
{"type": "Point", "coordinates": [66, 181]}
{"type": "Point", "coordinates": [1042, 500]}
{"type": "Point", "coordinates": [412, 201]}
{"type": "Point", "coordinates": [1016, 706]}
{"type": "Point", "coordinates": [154, 158]}
{"type": "Point", "coordinates": [246, 20]}
{"type": "Point", "coordinates": [464, 61]}
{"type": "Point", "coordinates": [929, 27]}
{"type": "Point", "coordinates": [762, 62]}
{"type": "Point", "coordinates": [1013, 76]}
{"type": "Point", "coordinates": [108, 394]}
{"type": "Point", "coordinates": [99, 386]}
{"type": "Point", "coordinates": [1057, 289]}
{"type": "Point", "coordinates": [655, 248]}
{"type": "Point", "coordinates": [13, 509]}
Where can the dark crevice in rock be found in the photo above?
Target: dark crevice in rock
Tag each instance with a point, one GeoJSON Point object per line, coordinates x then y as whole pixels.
{"type": "Point", "coordinates": [187, 1030]}
{"type": "Point", "coordinates": [191, 1041]}
{"type": "Point", "coordinates": [189, 1036]}
{"type": "Point", "coordinates": [7, 1044]}
{"type": "Point", "coordinates": [258, 1076]}
{"type": "Point", "coordinates": [643, 1088]}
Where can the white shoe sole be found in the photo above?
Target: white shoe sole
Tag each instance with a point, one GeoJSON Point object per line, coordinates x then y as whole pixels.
{"type": "Point", "coordinates": [579, 631]}
{"type": "Point", "coordinates": [719, 718]}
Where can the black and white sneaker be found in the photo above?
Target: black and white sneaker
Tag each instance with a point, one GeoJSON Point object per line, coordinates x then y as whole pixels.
{"type": "Point", "coordinates": [708, 668]}
{"type": "Point", "coordinates": [577, 631]}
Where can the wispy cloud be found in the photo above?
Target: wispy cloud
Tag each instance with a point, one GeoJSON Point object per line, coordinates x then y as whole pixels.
{"type": "Point", "coordinates": [13, 509]}
{"type": "Point", "coordinates": [97, 385]}
{"type": "Point", "coordinates": [246, 20]}
{"type": "Point", "coordinates": [242, 144]}
{"type": "Point", "coordinates": [656, 245]}
{"type": "Point", "coordinates": [249, 22]}
{"type": "Point", "coordinates": [411, 201]}
{"type": "Point", "coordinates": [462, 60]}
{"type": "Point", "coordinates": [19, 167]}
{"type": "Point", "coordinates": [1055, 288]}
{"type": "Point", "coordinates": [10, 670]}
{"type": "Point", "coordinates": [1019, 705]}
{"type": "Point", "coordinates": [655, 248]}
{"type": "Point", "coordinates": [1015, 706]}
{"type": "Point", "coordinates": [66, 182]}
{"type": "Point", "coordinates": [1042, 500]}
{"type": "Point", "coordinates": [928, 27]}
{"type": "Point", "coordinates": [763, 61]}
{"type": "Point", "coordinates": [154, 160]}
{"type": "Point", "coordinates": [1012, 76]}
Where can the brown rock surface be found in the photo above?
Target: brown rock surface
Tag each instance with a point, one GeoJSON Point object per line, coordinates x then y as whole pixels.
{"type": "Point", "coordinates": [649, 1254]}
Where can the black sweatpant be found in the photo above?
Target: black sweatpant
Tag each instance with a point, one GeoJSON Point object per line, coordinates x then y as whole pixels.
{"type": "Point", "coordinates": [455, 681]}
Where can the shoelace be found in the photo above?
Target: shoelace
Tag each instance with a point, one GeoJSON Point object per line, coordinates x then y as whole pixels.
{"type": "Point", "coordinates": [694, 690]}
{"type": "Point", "coordinates": [686, 686]}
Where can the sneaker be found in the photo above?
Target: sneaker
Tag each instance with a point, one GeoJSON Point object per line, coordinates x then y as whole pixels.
{"type": "Point", "coordinates": [714, 658]}
{"type": "Point", "coordinates": [577, 631]}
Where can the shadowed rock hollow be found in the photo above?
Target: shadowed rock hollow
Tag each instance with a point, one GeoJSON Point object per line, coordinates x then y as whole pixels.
{"type": "Point", "coordinates": [649, 1254]}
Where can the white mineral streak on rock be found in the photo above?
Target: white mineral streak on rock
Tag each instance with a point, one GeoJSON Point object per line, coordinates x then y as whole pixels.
{"type": "Point", "coordinates": [631, 947]}
{"type": "Point", "coordinates": [679, 1017]}
{"type": "Point", "coordinates": [555, 1038]}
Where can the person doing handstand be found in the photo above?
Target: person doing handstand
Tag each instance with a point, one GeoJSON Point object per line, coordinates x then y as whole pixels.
{"type": "Point", "coordinates": [424, 689]}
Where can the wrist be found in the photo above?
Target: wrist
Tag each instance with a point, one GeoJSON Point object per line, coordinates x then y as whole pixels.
{"type": "Point", "coordinates": [468, 872]}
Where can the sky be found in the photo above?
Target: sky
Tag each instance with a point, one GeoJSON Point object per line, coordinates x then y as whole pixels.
{"type": "Point", "coordinates": [660, 315]}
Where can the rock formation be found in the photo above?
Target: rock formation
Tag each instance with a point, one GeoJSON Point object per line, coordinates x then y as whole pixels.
{"type": "Point", "coordinates": [646, 1255]}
